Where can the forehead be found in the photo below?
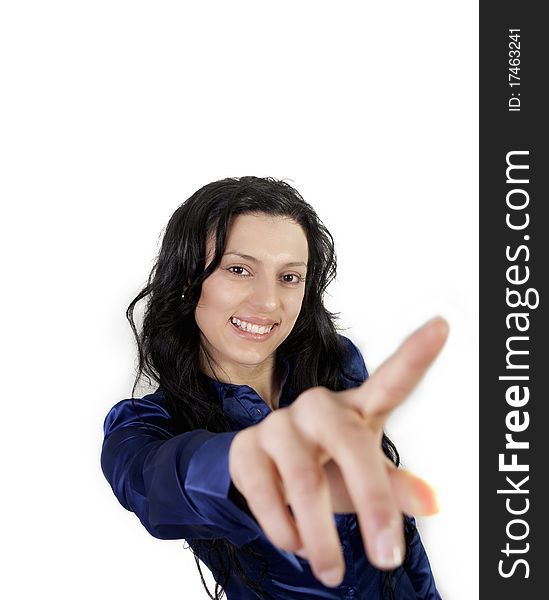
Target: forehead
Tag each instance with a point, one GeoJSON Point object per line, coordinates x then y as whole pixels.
{"type": "Point", "coordinates": [267, 237]}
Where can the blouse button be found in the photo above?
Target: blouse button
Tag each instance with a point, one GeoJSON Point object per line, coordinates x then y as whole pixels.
{"type": "Point", "coordinates": [259, 411]}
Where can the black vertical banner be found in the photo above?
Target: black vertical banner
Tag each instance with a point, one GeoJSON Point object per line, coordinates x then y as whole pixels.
{"type": "Point", "coordinates": [514, 332]}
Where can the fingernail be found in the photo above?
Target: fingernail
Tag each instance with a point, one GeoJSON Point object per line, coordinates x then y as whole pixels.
{"type": "Point", "coordinates": [388, 552]}
{"type": "Point", "coordinates": [331, 577]}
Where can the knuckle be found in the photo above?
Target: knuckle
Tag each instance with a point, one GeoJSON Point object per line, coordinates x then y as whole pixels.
{"type": "Point", "coordinates": [348, 423]}
{"type": "Point", "coordinates": [277, 420]}
{"type": "Point", "coordinates": [379, 514]}
{"type": "Point", "coordinates": [315, 396]}
{"type": "Point", "coordinates": [304, 479]}
{"type": "Point", "coordinates": [272, 430]}
{"type": "Point", "coordinates": [313, 408]}
{"type": "Point", "coordinates": [378, 499]}
{"type": "Point", "coordinates": [259, 493]}
{"type": "Point", "coordinates": [244, 441]}
{"type": "Point", "coordinates": [347, 427]}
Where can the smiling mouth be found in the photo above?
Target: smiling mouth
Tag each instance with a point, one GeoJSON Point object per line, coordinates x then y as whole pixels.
{"type": "Point", "coordinates": [252, 327]}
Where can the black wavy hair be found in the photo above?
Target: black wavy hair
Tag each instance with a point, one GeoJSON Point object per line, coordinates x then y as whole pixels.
{"type": "Point", "coordinates": [169, 341]}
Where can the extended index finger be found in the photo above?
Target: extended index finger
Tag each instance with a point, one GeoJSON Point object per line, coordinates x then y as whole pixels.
{"type": "Point", "coordinates": [395, 379]}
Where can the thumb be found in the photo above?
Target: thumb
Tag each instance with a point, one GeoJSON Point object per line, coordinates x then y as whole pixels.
{"type": "Point", "coordinates": [414, 495]}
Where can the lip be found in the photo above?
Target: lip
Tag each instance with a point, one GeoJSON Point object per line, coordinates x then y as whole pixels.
{"type": "Point", "coordinates": [252, 337]}
{"type": "Point", "coordinates": [255, 320]}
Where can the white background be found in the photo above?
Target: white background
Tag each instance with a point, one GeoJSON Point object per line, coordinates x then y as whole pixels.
{"type": "Point", "coordinates": [113, 113]}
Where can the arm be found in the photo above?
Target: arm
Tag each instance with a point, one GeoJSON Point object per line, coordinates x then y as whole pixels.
{"type": "Point", "coordinates": [179, 486]}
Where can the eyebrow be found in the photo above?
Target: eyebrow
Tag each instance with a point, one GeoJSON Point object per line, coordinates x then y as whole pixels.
{"type": "Point", "coordinates": [248, 257]}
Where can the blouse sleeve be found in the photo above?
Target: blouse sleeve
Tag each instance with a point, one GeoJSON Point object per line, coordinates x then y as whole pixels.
{"type": "Point", "coordinates": [178, 485]}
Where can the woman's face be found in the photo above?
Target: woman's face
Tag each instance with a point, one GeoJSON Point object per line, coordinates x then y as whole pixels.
{"type": "Point", "coordinates": [250, 303]}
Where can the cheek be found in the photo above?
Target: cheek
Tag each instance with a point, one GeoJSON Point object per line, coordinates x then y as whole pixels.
{"type": "Point", "coordinates": [218, 298]}
{"type": "Point", "coordinates": [295, 305]}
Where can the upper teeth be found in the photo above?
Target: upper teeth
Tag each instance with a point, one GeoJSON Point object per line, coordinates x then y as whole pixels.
{"type": "Point", "coordinates": [251, 327]}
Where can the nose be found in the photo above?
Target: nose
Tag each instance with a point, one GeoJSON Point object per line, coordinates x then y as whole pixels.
{"type": "Point", "coordinates": [264, 295]}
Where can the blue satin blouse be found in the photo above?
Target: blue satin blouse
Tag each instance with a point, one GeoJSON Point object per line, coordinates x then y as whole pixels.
{"type": "Point", "coordinates": [180, 488]}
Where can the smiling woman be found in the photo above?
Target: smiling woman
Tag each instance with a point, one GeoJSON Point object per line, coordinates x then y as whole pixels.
{"type": "Point", "coordinates": [263, 444]}
{"type": "Point", "coordinates": [253, 299]}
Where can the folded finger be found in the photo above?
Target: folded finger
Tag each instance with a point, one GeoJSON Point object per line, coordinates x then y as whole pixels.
{"type": "Point", "coordinates": [367, 480]}
{"type": "Point", "coordinates": [307, 491]}
{"type": "Point", "coordinates": [264, 494]}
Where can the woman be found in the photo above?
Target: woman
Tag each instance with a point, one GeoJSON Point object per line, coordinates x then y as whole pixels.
{"type": "Point", "coordinates": [263, 445]}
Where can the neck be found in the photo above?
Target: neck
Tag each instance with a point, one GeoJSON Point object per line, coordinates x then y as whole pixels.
{"type": "Point", "coordinates": [264, 378]}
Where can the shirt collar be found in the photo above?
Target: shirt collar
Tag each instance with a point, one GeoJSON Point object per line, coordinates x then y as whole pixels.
{"type": "Point", "coordinates": [242, 404]}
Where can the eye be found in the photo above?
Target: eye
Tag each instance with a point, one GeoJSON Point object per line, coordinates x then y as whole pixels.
{"type": "Point", "coordinates": [292, 278]}
{"type": "Point", "coordinates": [238, 271]}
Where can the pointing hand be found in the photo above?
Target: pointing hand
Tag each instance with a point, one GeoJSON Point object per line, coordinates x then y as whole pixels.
{"type": "Point", "coordinates": [322, 454]}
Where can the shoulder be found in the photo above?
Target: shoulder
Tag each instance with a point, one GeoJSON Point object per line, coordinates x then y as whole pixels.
{"type": "Point", "coordinates": [353, 368]}
{"type": "Point", "coordinates": [149, 410]}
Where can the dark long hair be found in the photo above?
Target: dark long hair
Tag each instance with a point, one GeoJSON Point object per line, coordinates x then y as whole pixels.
{"type": "Point", "coordinates": [169, 342]}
